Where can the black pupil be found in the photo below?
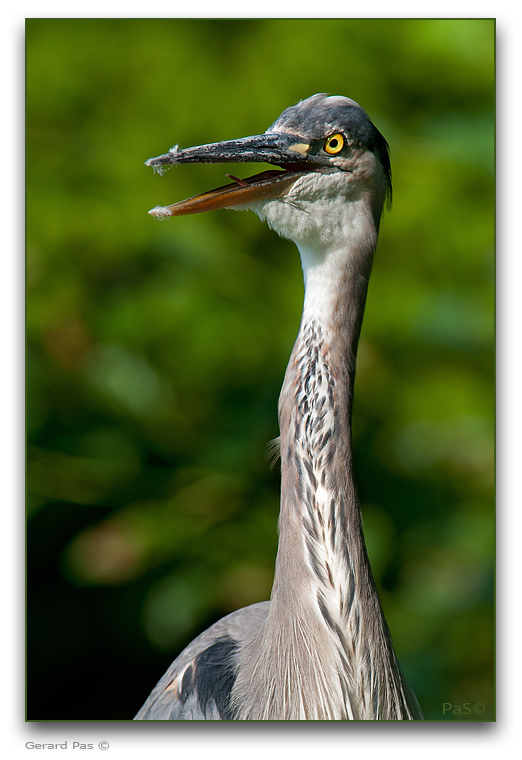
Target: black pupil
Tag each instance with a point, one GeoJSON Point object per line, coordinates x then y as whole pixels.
{"type": "Point", "coordinates": [334, 143]}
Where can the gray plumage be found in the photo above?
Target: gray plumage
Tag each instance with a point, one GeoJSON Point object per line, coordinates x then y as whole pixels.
{"type": "Point", "coordinates": [320, 649]}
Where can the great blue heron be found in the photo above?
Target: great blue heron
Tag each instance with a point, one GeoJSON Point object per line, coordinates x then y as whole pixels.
{"type": "Point", "coordinates": [321, 648]}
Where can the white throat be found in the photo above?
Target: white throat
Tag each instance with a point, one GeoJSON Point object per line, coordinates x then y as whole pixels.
{"type": "Point", "coordinates": [322, 272]}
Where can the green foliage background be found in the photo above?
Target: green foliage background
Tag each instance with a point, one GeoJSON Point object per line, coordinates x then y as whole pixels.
{"type": "Point", "coordinates": [155, 351]}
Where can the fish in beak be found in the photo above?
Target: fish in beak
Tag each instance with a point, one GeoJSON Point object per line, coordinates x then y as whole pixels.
{"type": "Point", "coordinates": [282, 149]}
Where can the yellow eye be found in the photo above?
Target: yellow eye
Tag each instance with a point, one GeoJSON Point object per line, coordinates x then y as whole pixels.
{"type": "Point", "coordinates": [334, 144]}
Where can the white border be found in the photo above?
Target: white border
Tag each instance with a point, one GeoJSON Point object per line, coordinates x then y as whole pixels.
{"type": "Point", "coordinates": [303, 741]}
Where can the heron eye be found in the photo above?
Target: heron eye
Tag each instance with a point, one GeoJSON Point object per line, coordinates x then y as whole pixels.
{"type": "Point", "coordinates": [334, 144]}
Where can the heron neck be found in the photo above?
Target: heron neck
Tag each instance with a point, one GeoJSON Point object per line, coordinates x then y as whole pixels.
{"type": "Point", "coordinates": [319, 505]}
{"type": "Point", "coordinates": [324, 593]}
{"type": "Point", "coordinates": [324, 651]}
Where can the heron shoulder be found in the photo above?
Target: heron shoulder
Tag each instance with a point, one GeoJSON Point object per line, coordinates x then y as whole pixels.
{"type": "Point", "coordinates": [198, 684]}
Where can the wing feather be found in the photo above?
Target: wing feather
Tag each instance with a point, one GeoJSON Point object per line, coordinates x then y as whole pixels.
{"type": "Point", "coordinates": [198, 684]}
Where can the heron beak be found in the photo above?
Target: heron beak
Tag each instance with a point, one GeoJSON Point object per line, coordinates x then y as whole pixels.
{"type": "Point", "coordinates": [279, 148]}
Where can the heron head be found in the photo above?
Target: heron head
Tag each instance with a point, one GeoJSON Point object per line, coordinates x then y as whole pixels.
{"type": "Point", "coordinates": [328, 152]}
